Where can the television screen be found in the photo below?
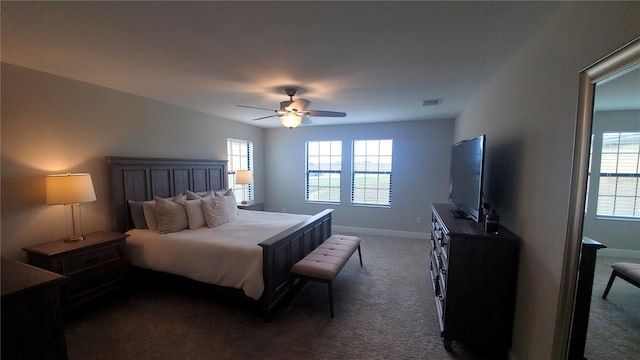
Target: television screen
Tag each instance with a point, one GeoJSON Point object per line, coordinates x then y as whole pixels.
{"type": "Point", "coordinates": [465, 183]}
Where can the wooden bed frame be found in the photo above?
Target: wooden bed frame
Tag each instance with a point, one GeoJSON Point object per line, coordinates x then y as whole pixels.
{"type": "Point", "coordinates": [139, 179]}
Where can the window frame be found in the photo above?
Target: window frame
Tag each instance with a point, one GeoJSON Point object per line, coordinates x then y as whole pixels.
{"type": "Point", "coordinates": [333, 144]}
{"type": "Point", "coordinates": [600, 213]}
{"type": "Point", "coordinates": [244, 157]}
{"type": "Point", "coordinates": [376, 173]}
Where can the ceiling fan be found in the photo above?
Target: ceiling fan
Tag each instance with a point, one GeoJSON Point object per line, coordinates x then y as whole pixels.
{"type": "Point", "coordinates": [291, 112]}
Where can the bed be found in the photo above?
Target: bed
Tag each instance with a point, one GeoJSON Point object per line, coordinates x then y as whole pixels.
{"type": "Point", "coordinates": [140, 179]}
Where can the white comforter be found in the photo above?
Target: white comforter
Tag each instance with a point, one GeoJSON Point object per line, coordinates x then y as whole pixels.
{"type": "Point", "coordinates": [228, 255]}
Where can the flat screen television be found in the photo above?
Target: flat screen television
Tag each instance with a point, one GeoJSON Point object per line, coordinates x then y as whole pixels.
{"type": "Point", "coordinates": [465, 182]}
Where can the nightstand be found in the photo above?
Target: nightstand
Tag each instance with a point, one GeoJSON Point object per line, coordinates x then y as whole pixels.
{"type": "Point", "coordinates": [252, 205]}
{"type": "Point", "coordinates": [96, 266]}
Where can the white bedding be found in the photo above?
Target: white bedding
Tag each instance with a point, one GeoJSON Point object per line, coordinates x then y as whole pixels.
{"type": "Point", "coordinates": [227, 255]}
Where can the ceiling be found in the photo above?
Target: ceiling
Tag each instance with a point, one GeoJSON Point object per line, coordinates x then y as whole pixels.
{"type": "Point", "coordinates": [376, 61]}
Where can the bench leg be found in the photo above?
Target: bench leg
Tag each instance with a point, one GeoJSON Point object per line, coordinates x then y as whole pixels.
{"type": "Point", "coordinates": [360, 255]}
{"type": "Point", "coordinates": [292, 280]}
{"type": "Point", "coordinates": [613, 277]}
{"type": "Point", "coordinates": [330, 283]}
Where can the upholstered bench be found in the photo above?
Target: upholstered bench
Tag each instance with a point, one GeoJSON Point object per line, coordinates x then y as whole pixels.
{"type": "Point", "coordinates": [325, 262]}
{"type": "Point", "coordinates": [627, 271]}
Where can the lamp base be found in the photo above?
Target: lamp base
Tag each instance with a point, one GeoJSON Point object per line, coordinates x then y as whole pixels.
{"type": "Point", "coordinates": [74, 238]}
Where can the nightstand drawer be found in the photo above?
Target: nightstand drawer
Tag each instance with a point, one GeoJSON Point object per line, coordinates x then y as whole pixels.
{"type": "Point", "coordinates": [91, 259]}
{"type": "Point", "coordinates": [85, 288]}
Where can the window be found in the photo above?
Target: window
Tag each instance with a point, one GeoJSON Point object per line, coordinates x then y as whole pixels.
{"type": "Point", "coordinates": [324, 166]}
{"type": "Point", "coordinates": [618, 193]}
{"type": "Point", "coordinates": [240, 155]}
{"type": "Point", "coordinates": [371, 172]}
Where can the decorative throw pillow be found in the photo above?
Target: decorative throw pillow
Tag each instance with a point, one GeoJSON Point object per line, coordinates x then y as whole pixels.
{"type": "Point", "coordinates": [149, 211]}
{"type": "Point", "coordinates": [197, 195]}
{"type": "Point", "coordinates": [195, 215]}
{"type": "Point", "coordinates": [230, 201]}
{"type": "Point", "coordinates": [215, 211]}
{"type": "Point", "coordinates": [137, 214]}
{"type": "Point", "coordinates": [171, 214]}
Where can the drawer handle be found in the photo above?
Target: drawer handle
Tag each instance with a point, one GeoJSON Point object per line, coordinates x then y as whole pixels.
{"type": "Point", "coordinates": [93, 259]}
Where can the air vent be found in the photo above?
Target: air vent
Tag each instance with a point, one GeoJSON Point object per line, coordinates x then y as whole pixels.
{"type": "Point", "coordinates": [431, 102]}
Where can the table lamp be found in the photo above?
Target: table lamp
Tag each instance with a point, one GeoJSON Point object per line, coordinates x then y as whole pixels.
{"type": "Point", "coordinates": [244, 177]}
{"type": "Point", "coordinates": [70, 190]}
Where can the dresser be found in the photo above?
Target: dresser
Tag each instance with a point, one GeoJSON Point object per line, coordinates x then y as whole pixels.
{"type": "Point", "coordinates": [474, 277]}
{"type": "Point", "coordinates": [95, 267]}
{"type": "Point", "coordinates": [32, 326]}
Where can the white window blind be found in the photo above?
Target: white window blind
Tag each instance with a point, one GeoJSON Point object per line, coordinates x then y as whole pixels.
{"type": "Point", "coordinates": [371, 172]}
{"type": "Point", "coordinates": [240, 156]}
{"type": "Point", "coordinates": [323, 170]}
{"type": "Point", "coordinates": [618, 193]}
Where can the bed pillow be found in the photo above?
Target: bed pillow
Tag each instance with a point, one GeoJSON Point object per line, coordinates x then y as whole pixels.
{"type": "Point", "coordinates": [136, 211]}
{"type": "Point", "coordinates": [197, 195]}
{"type": "Point", "coordinates": [171, 214]}
{"type": "Point", "coordinates": [230, 201]}
{"type": "Point", "coordinates": [195, 214]}
{"type": "Point", "coordinates": [215, 211]}
{"type": "Point", "coordinates": [149, 211]}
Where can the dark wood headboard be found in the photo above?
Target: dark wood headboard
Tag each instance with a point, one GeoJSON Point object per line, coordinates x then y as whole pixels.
{"type": "Point", "coordinates": [138, 179]}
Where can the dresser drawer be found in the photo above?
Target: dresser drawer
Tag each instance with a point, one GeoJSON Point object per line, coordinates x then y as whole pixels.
{"type": "Point", "coordinates": [90, 259]}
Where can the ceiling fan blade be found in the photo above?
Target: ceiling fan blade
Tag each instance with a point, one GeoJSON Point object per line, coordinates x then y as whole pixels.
{"type": "Point", "coordinates": [323, 113]}
{"type": "Point", "coordinates": [285, 104]}
{"type": "Point", "coordinates": [306, 120]}
{"type": "Point", "coordinates": [300, 104]}
{"type": "Point", "coordinates": [254, 107]}
{"type": "Point", "coordinates": [264, 117]}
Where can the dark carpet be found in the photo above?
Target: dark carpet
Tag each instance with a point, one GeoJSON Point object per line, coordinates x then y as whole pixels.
{"type": "Point", "coordinates": [614, 323]}
{"type": "Point", "coordinates": [384, 310]}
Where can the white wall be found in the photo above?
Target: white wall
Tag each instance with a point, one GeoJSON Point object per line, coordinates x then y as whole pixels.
{"type": "Point", "coordinates": [421, 153]}
{"type": "Point", "coordinates": [52, 124]}
{"type": "Point", "coordinates": [529, 114]}
{"type": "Point", "coordinates": [615, 234]}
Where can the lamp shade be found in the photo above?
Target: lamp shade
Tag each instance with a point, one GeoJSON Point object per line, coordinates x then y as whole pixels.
{"type": "Point", "coordinates": [65, 189]}
{"type": "Point", "coordinates": [244, 177]}
{"type": "Point", "coordinates": [290, 120]}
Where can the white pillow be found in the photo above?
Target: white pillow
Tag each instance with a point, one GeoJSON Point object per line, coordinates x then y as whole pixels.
{"type": "Point", "coordinates": [230, 201]}
{"type": "Point", "coordinates": [195, 215]}
{"type": "Point", "coordinates": [171, 214]}
{"type": "Point", "coordinates": [215, 211]}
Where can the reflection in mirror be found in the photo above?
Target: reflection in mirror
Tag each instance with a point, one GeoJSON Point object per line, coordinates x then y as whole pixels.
{"type": "Point", "coordinates": [574, 309]}
{"type": "Point", "coordinates": [612, 214]}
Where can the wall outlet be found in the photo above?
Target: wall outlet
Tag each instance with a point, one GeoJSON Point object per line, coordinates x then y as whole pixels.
{"type": "Point", "coordinates": [418, 220]}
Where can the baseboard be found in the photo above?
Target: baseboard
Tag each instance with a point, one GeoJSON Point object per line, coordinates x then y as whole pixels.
{"type": "Point", "coordinates": [379, 232]}
{"type": "Point", "coordinates": [628, 254]}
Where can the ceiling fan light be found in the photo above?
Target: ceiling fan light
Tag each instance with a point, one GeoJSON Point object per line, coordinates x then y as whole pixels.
{"type": "Point", "coordinates": [290, 120]}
